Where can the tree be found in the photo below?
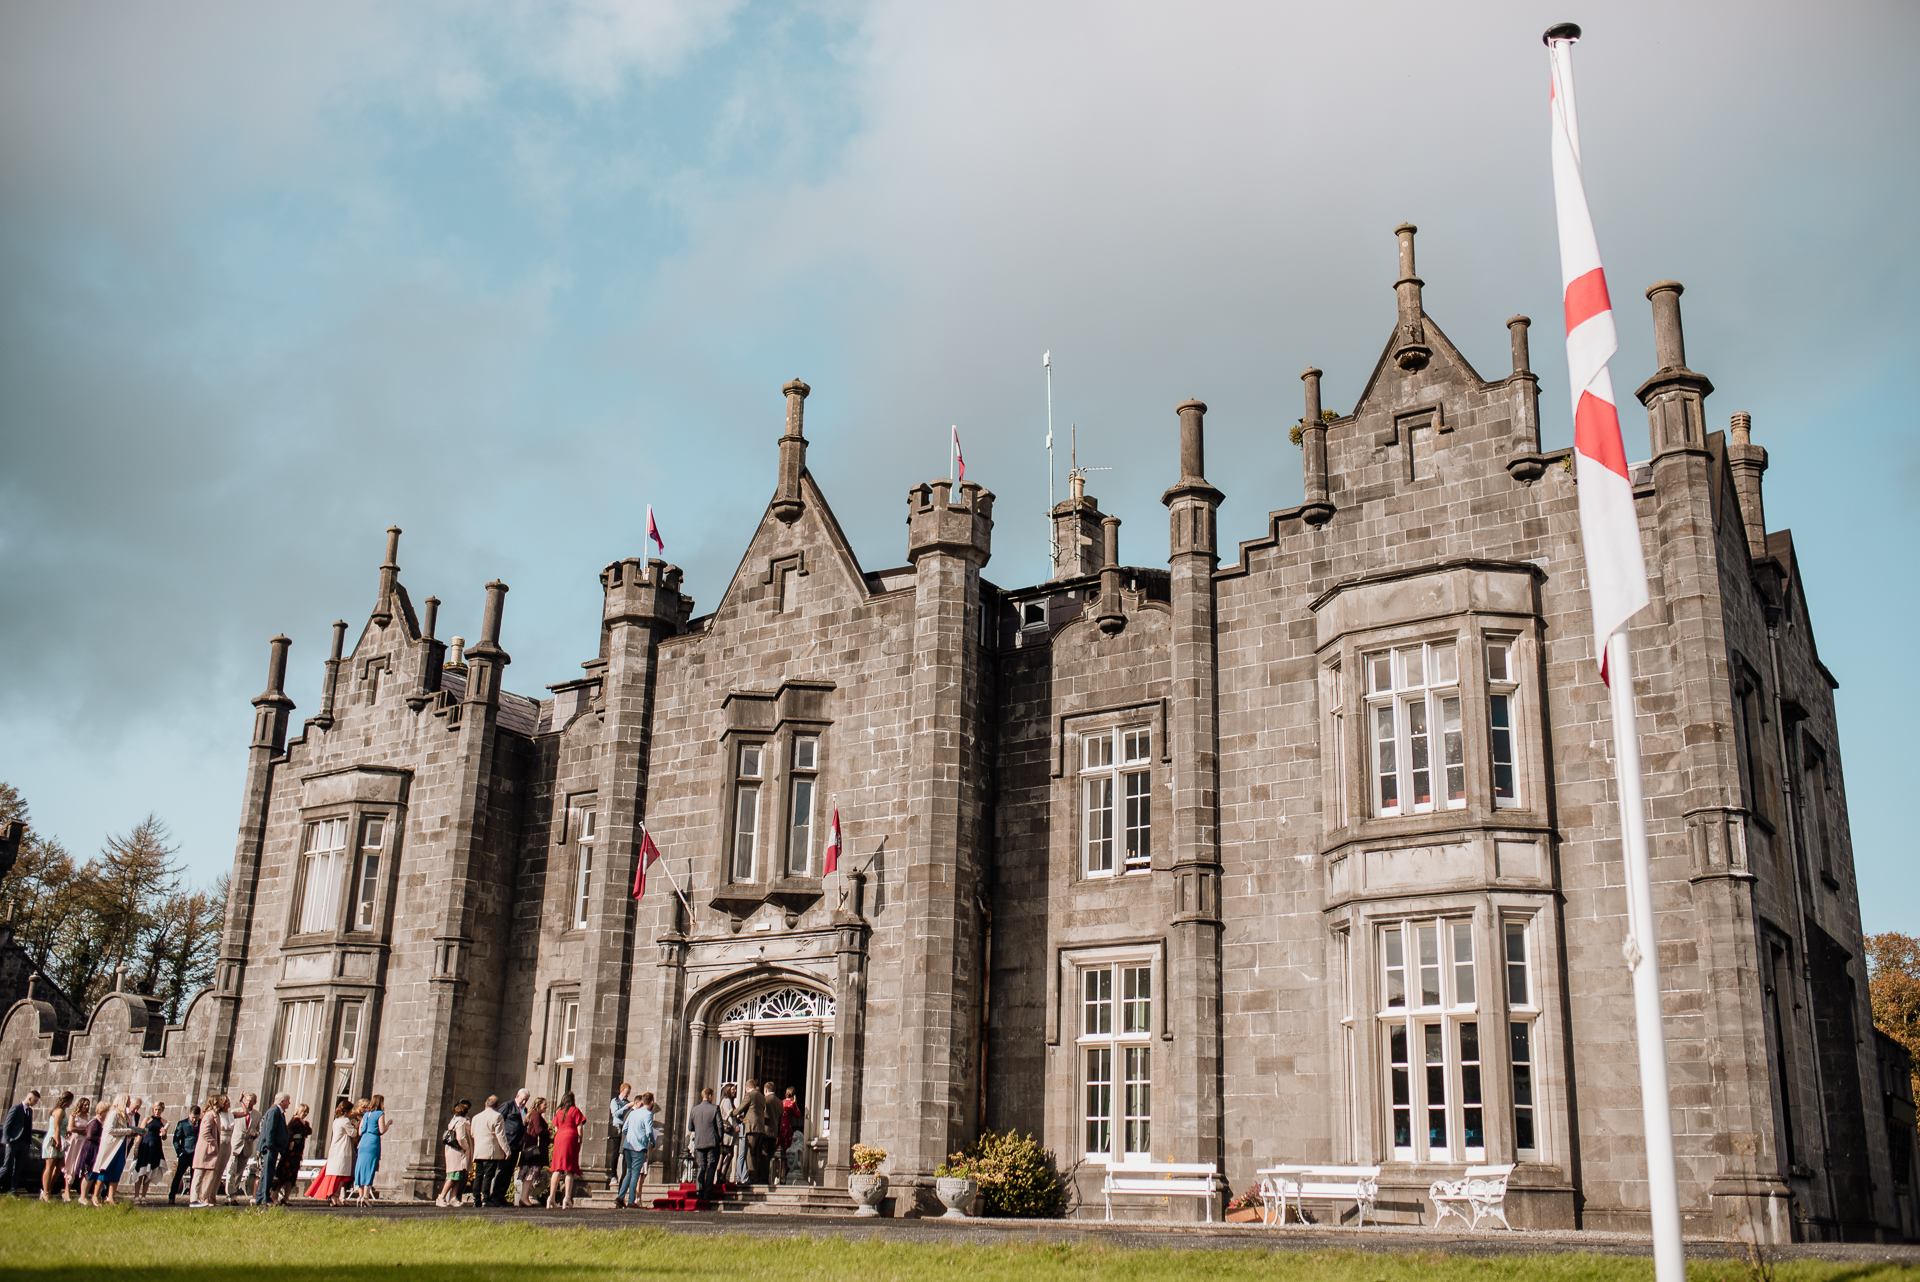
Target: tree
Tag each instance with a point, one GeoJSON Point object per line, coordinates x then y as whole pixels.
{"type": "Point", "coordinates": [1893, 982]}
{"type": "Point", "coordinates": [124, 908]}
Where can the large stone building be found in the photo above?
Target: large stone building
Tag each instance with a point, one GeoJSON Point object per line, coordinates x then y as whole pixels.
{"type": "Point", "coordinates": [1307, 852]}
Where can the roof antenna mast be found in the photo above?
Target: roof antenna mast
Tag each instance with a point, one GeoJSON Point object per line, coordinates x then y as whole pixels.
{"type": "Point", "coordinates": [1053, 546]}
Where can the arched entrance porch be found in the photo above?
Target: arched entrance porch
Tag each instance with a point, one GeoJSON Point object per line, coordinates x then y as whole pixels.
{"type": "Point", "coordinates": [778, 1029]}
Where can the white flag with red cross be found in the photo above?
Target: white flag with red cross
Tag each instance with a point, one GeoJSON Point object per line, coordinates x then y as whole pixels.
{"type": "Point", "coordinates": [1609, 524]}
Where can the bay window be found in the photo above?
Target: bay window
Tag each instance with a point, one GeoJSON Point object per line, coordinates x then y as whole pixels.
{"type": "Point", "coordinates": [323, 870]}
{"type": "Point", "coordinates": [1523, 1017]}
{"type": "Point", "coordinates": [746, 810]}
{"type": "Point", "coordinates": [1430, 1032]}
{"type": "Point", "coordinates": [1413, 717]}
{"type": "Point", "coordinates": [1116, 1023]}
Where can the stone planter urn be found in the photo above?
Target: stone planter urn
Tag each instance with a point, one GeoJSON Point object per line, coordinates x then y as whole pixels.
{"type": "Point", "coordinates": [958, 1194]}
{"type": "Point", "coordinates": [866, 1190]}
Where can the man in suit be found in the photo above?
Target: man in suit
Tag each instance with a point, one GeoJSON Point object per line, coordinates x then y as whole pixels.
{"type": "Point", "coordinates": [753, 1112]}
{"type": "Point", "coordinates": [513, 1121]}
{"type": "Point", "coordinates": [18, 1136]}
{"type": "Point", "coordinates": [272, 1146]}
{"type": "Point", "coordinates": [186, 1134]}
{"type": "Point", "coordinates": [489, 1151]}
{"type": "Point", "coordinates": [703, 1134]}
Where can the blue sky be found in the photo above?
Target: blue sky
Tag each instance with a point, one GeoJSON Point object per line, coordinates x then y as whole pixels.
{"type": "Point", "coordinates": [274, 277]}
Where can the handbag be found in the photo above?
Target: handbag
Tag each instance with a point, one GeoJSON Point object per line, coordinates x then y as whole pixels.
{"type": "Point", "coordinates": [449, 1139]}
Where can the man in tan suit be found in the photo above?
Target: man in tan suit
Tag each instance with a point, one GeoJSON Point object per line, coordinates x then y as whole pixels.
{"type": "Point", "coordinates": [490, 1149]}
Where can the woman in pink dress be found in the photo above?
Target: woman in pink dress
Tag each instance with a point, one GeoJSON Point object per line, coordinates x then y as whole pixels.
{"type": "Point", "coordinates": [567, 1121]}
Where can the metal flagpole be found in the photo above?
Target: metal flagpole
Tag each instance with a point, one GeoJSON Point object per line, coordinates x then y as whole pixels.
{"type": "Point", "coordinates": [1053, 547]}
{"type": "Point", "coordinates": [1642, 950]}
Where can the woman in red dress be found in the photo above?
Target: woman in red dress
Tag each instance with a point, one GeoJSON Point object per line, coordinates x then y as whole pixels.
{"type": "Point", "coordinates": [567, 1121]}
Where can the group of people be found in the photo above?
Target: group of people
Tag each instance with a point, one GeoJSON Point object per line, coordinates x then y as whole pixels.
{"type": "Point", "coordinates": [499, 1152]}
{"type": "Point", "coordinates": [353, 1152]}
{"type": "Point", "coordinates": [89, 1149]}
{"type": "Point", "coordinates": [751, 1136]}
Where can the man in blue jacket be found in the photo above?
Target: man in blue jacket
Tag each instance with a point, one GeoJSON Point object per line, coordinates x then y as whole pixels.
{"type": "Point", "coordinates": [18, 1135]}
{"type": "Point", "coordinates": [272, 1148]}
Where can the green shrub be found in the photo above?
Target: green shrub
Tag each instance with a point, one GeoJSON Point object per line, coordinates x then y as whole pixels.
{"type": "Point", "coordinates": [1017, 1177]}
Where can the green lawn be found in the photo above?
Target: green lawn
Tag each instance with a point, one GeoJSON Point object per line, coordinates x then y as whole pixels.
{"type": "Point", "coordinates": [67, 1242]}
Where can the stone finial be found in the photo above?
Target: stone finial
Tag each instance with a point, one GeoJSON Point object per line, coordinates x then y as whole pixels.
{"type": "Point", "coordinates": [1669, 342]}
{"type": "Point", "coordinates": [1410, 349]}
{"type": "Point", "coordinates": [1517, 334]}
{"type": "Point", "coordinates": [433, 617]}
{"type": "Point", "coordinates": [787, 503]}
{"type": "Point", "coordinates": [277, 664]}
{"type": "Point", "coordinates": [325, 719]}
{"type": "Point", "coordinates": [389, 578]}
{"type": "Point", "coordinates": [339, 639]}
{"type": "Point", "coordinates": [1193, 450]}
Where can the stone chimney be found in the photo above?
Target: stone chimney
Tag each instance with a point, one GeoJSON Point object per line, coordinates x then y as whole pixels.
{"type": "Point", "coordinates": [272, 706]}
{"type": "Point", "coordinates": [1313, 454]}
{"type": "Point", "coordinates": [1076, 531]}
{"type": "Point", "coordinates": [487, 662]}
{"type": "Point", "coordinates": [389, 578]}
{"type": "Point", "coordinates": [1410, 350]}
{"type": "Point", "coordinates": [1675, 396]}
{"type": "Point", "coordinates": [1748, 462]}
{"type": "Point", "coordinates": [325, 719]}
{"type": "Point", "coordinates": [1525, 464]}
{"type": "Point", "coordinates": [787, 504]}
{"type": "Point", "coordinates": [1112, 617]}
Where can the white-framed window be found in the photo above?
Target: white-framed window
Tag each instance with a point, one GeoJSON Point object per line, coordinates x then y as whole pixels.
{"type": "Point", "coordinates": [1430, 1033]}
{"type": "Point", "coordinates": [586, 836]}
{"type": "Point", "coordinates": [1418, 754]}
{"type": "Point", "coordinates": [346, 1049]}
{"type": "Point", "coordinates": [1116, 1058]}
{"type": "Point", "coordinates": [1502, 700]}
{"type": "Point", "coordinates": [1523, 1019]}
{"type": "Point", "coordinates": [569, 1029]}
{"type": "Point", "coordinates": [297, 1070]}
{"type": "Point", "coordinates": [803, 787]}
{"type": "Point", "coordinates": [323, 869]}
{"type": "Point", "coordinates": [746, 809]}
{"type": "Point", "coordinates": [1116, 780]}
{"type": "Point", "coordinates": [373, 837]}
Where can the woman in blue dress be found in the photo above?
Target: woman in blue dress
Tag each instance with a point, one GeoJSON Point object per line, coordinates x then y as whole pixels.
{"type": "Point", "coordinates": [373, 1124]}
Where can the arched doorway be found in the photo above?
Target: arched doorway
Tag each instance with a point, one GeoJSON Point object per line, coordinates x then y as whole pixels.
{"type": "Point", "coordinates": [780, 1032]}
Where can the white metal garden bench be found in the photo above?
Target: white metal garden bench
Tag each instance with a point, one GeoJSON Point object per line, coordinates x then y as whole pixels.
{"type": "Point", "coordinates": [1482, 1190]}
{"type": "Point", "coordinates": [1162, 1179]}
{"type": "Point", "coordinates": [1357, 1184]}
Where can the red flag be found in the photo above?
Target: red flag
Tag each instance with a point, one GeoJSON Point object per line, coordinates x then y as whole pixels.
{"type": "Point", "coordinates": [959, 459]}
{"type": "Point", "coordinates": [833, 842]}
{"type": "Point", "coordinates": [653, 531]}
{"type": "Point", "coordinates": [648, 853]}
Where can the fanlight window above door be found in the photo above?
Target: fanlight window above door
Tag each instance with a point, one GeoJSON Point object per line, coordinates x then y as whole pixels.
{"type": "Point", "coordinates": [781, 1003]}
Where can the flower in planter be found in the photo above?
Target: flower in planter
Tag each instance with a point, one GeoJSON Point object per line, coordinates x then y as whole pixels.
{"type": "Point", "coordinates": [867, 1158]}
{"type": "Point", "coordinates": [956, 1167]}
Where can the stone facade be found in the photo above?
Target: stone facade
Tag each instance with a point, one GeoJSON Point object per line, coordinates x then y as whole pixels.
{"type": "Point", "coordinates": [1308, 853]}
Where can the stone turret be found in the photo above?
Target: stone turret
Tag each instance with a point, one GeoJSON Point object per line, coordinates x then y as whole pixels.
{"type": "Point", "coordinates": [948, 542]}
{"type": "Point", "coordinates": [1675, 396]}
{"type": "Point", "coordinates": [1194, 961]}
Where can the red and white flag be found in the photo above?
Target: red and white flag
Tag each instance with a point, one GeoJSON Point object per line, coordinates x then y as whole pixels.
{"type": "Point", "coordinates": [648, 853]}
{"type": "Point", "coordinates": [959, 459]}
{"type": "Point", "coordinates": [833, 842]}
{"type": "Point", "coordinates": [653, 531]}
{"type": "Point", "coordinates": [1609, 524]}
